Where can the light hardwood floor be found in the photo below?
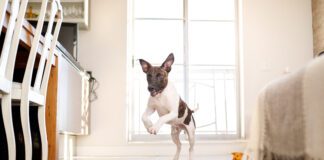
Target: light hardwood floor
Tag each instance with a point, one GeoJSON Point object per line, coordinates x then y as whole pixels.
{"type": "Point", "coordinates": [227, 157]}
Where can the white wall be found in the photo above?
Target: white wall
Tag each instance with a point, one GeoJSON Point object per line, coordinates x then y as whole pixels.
{"type": "Point", "coordinates": [277, 34]}
{"type": "Point", "coordinates": [103, 51]}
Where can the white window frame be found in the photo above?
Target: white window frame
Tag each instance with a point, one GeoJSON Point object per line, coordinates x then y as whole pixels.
{"type": "Point", "coordinates": [131, 64]}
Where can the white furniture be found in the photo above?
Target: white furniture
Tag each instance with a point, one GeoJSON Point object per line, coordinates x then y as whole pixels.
{"type": "Point", "coordinates": [3, 9]}
{"type": "Point", "coordinates": [73, 102]}
{"type": "Point", "coordinates": [36, 94]}
{"type": "Point", "coordinates": [28, 94]}
{"type": "Point", "coordinates": [7, 62]}
{"type": "Point", "coordinates": [75, 11]}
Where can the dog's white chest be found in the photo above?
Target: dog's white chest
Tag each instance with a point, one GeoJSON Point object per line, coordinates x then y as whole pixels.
{"type": "Point", "coordinates": [166, 101]}
{"type": "Point", "coordinates": [160, 104]}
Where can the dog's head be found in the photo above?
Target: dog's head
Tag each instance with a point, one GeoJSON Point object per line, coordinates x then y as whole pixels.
{"type": "Point", "coordinates": [157, 76]}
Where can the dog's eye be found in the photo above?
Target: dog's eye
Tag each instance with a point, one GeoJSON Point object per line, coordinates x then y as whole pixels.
{"type": "Point", "coordinates": [149, 76]}
{"type": "Point", "coordinates": [158, 75]}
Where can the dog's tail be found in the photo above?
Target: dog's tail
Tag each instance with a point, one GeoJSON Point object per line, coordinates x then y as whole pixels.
{"type": "Point", "coordinates": [196, 109]}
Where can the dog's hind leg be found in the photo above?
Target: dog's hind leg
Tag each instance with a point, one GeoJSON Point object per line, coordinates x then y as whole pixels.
{"type": "Point", "coordinates": [175, 132]}
{"type": "Point", "coordinates": [190, 129]}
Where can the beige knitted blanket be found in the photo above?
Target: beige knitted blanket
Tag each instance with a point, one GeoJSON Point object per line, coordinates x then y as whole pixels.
{"type": "Point", "coordinates": [288, 123]}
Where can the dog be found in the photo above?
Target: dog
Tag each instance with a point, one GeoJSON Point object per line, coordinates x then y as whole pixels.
{"type": "Point", "coordinates": [165, 100]}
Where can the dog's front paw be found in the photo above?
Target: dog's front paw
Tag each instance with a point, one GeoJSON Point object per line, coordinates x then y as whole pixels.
{"type": "Point", "coordinates": [153, 130]}
{"type": "Point", "coordinates": [148, 128]}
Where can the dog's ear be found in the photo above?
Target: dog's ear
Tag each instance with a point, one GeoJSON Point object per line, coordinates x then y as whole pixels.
{"type": "Point", "coordinates": [166, 65]}
{"type": "Point", "coordinates": [145, 65]}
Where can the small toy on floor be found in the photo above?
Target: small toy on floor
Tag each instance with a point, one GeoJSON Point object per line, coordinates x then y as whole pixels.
{"type": "Point", "coordinates": [237, 156]}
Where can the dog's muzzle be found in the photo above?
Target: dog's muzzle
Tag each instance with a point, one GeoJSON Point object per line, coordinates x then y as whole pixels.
{"type": "Point", "coordinates": [152, 91]}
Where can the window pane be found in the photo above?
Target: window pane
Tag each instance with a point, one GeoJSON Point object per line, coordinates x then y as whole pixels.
{"type": "Point", "coordinates": [231, 102]}
{"type": "Point", "coordinates": [211, 36]}
{"type": "Point", "coordinates": [202, 94]}
{"type": "Point", "coordinates": [158, 8]}
{"type": "Point", "coordinates": [213, 89]}
{"type": "Point", "coordinates": [212, 43]}
{"type": "Point", "coordinates": [155, 39]}
{"type": "Point", "coordinates": [211, 9]}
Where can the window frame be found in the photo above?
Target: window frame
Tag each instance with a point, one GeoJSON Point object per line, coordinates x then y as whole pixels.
{"type": "Point", "coordinates": [131, 64]}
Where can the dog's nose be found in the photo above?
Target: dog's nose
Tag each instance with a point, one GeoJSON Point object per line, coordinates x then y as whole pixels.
{"type": "Point", "coordinates": [150, 88]}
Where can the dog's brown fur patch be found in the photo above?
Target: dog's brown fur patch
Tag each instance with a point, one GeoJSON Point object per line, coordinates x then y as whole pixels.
{"type": "Point", "coordinates": [182, 109]}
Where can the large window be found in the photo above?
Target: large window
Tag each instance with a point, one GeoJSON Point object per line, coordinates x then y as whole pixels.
{"type": "Point", "coordinates": [202, 34]}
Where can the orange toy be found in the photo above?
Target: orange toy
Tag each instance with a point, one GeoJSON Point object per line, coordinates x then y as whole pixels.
{"type": "Point", "coordinates": [237, 155]}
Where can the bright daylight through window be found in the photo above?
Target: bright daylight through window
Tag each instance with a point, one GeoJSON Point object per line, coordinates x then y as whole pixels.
{"type": "Point", "coordinates": [202, 34]}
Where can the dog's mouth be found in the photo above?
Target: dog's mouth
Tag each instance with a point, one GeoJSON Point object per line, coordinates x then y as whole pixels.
{"type": "Point", "coordinates": [154, 90]}
{"type": "Point", "coordinates": [154, 93]}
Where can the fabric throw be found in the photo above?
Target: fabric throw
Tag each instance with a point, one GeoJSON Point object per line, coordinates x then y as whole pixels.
{"type": "Point", "coordinates": [288, 122]}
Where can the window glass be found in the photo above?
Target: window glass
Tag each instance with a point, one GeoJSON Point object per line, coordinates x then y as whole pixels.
{"type": "Point", "coordinates": [158, 8]}
{"type": "Point", "coordinates": [211, 76]}
{"type": "Point", "coordinates": [211, 9]}
{"type": "Point", "coordinates": [155, 39]}
{"type": "Point", "coordinates": [212, 43]}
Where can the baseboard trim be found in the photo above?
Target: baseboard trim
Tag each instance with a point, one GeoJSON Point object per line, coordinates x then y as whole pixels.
{"type": "Point", "coordinates": [156, 150]}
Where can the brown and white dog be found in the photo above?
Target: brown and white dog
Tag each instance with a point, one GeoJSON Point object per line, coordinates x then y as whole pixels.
{"type": "Point", "coordinates": [170, 107]}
